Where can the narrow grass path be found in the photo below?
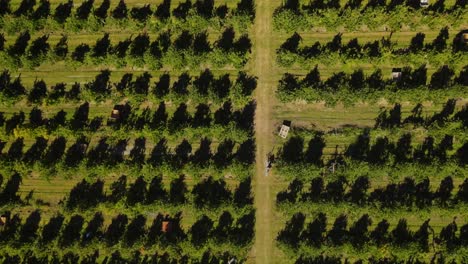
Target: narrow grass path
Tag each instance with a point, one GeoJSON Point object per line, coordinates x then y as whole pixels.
{"type": "Point", "coordinates": [264, 69]}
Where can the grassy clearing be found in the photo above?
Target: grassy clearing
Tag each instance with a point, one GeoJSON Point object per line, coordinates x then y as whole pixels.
{"type": "Point", "coordinates": [342, 124]}
{"type": "Point", "coordinates": [360, 114]}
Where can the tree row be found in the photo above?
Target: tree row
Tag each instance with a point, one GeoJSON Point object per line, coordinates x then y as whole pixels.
{"type": "Point", "coordinates": [315, 233]}
{"type": "Point", "coordinates": [390, 118]}
{"type": "Point", "coordinates": [438, 257]}
{"type": "Point", "coordinates": [126, 118]}
{"type": "Point", "coordinates": [116, 257]}
{"type": "Point", "coordinates": [408, 79]}
{"type": "Point", "coordinates": [382, 151]}
{"type": "Point", "coordinates": [206, 193]}
{"type": "Point", "coordinates": [407, 193]}
{"type": "Point", "coordinates": [84, 195]}
{"type": "Point", "coordinates": [139, 47]}
{"type": "Point", "coordinates": [318, 6]}
{"type": "Point", "coordinates": [127, 231]}
{"type": "Point", "coordinates": [373, 49]}
{"type": "Point", "coordinates": [109, 153]}
{"type": "Point", "coordinates": [87, 8]}
{"type": "Point", "coordinates": [205, 84]}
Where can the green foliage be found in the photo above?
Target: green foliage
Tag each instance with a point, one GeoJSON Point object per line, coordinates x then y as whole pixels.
{"type": "Point", "coordinates": [193, 23]}
{"type": "Point", "coordinates": [350, 98]}
{"type": "Point", "coordinates": [367, 19]}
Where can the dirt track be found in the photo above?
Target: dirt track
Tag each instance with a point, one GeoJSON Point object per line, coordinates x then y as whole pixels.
{"type": "Point", "coordinates": [263, 68]}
